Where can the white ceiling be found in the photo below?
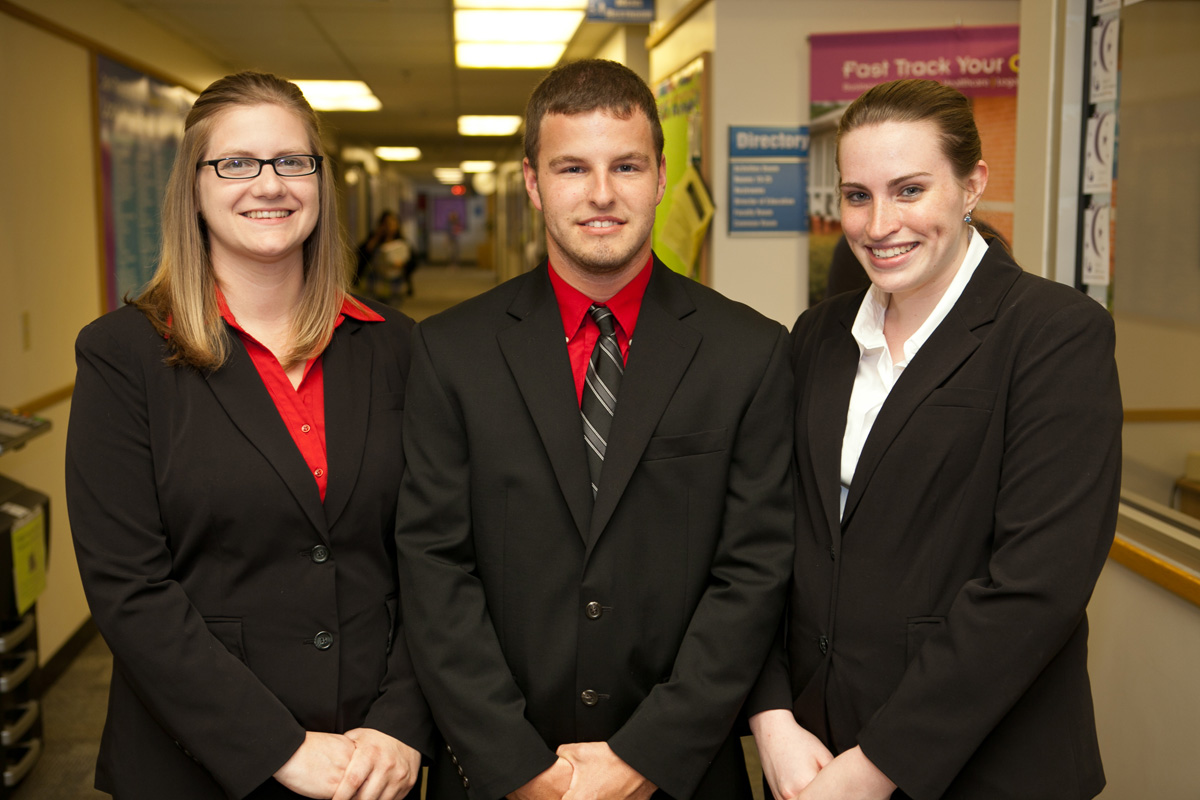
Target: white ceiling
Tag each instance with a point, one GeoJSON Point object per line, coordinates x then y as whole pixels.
{"type": "Point", "coordinates": [403, 49]}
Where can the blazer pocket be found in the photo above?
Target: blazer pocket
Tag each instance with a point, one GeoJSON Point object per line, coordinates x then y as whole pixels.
{"type": "Point", "coordinates": [387, 401]}
{"type": "Point", "coordinates": [686, 444]}
{"type": "Point", "coordinates": [962, 397]}
{"type": "Point", "coordinates": [228, 631]}
{"type": "Point", "coordinates": [919, 631]}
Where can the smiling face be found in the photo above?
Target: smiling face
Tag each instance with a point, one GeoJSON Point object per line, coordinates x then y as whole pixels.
{"type": "Point", "coordinates": [263, 220]}
{"type": "Point", "coordinates": [597, 183]}
{"type": "Point", "coordinates": [903, 207]}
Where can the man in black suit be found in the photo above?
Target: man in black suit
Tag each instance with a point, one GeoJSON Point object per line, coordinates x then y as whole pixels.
{"type": "Point", "coordinates": [588, 611]}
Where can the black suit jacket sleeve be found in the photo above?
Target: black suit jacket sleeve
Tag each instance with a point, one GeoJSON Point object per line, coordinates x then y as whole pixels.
{"type": "Point", "coordinates": [1054, 517]}
{"type": "Point", "coordinates": [205, 698]}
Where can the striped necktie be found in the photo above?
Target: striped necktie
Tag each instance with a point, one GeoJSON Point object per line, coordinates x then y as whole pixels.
{"type": "Point", "coordinates": [600, 387]}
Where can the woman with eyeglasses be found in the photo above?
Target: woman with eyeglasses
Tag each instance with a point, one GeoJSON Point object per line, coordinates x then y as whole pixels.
{"type": "Point", "coordinates": [958, 441]}
{"type": "Point", "coordinates": [233, 459]}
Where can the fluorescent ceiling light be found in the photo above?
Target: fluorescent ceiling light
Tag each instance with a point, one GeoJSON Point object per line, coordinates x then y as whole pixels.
{"type": "Point", "coordinates": [478, 55]}
{"type": "Point", "coordinates": [398, 153]}
{"type": "Point", "coordinates": [339, 95]}
{"type": "Point", "coordinates": [477, 166]}
{"type": "Point", "coordinates": [516, 26]}
{"type": "Point", "coordinates": [488, 126]}
{"type": "Point", "coordinates": [448, 175]}
{"type": "Point", "coordinates": [521, 4]}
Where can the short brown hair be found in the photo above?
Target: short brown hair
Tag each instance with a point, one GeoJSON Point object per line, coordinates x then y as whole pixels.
{"type": "Point", "coordinates": [920, 101]}
{"type": "Point", "coordinates": [583, 86]}
{"type": "Point", "coordinates": [183, 289]}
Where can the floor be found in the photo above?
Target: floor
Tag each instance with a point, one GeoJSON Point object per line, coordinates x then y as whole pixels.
{"type": "Point", "coordinates": [73, 708]}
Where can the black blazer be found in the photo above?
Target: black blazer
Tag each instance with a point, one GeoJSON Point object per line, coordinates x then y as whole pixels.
{"type": "Point", "coordinates": [212, 567]}
{"type": "Point", "coordinates": [537, 617]}
{"type": "Point", "coordinates": [940, 623]}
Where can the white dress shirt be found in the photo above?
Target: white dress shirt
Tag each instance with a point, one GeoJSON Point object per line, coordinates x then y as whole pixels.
{"type": "Point", "coordinates": [877, 372]}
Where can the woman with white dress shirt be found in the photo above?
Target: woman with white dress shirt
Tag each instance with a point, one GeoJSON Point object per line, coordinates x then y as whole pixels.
{"type": "Point", "coordinates": [958, 445]}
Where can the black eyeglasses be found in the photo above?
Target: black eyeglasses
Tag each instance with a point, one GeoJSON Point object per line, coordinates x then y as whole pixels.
{"type": "Point", "coordinates": [244, 167]}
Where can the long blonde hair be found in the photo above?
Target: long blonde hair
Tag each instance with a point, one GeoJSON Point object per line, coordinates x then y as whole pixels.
{"type": "Point", "coordinates": [180, 300]}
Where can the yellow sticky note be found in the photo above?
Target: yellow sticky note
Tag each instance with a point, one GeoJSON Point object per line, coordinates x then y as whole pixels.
{"type": "Point", "coordinates": [29, 559]}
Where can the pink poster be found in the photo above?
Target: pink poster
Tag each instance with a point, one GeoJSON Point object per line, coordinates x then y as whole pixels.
{"type": "Point", "coordinates": [979, 62]}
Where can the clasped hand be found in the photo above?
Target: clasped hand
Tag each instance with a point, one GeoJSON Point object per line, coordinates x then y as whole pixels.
{"type": "Point", "coordinates": [587, 771]}
{"type": "Point", "coordinates": [362, 764]}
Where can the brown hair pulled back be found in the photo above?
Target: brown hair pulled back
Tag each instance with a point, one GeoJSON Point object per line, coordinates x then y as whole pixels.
{"type": "Point", "coordinates": [920, 101]}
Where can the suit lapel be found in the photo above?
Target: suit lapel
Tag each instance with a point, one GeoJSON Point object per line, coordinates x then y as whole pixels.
{"type": "Point", "coordinates": [536, 353]}
{"type": "Point", "coordinates": [659, 355]}
{"type": "Point", "coordinates": [954, 340]}
{"type": "Point", "coordinates": [347, 367]}
{"type": "Point", "coordinates": [828, 395]}
{"type": "Point", "coordinates": [241, 392]}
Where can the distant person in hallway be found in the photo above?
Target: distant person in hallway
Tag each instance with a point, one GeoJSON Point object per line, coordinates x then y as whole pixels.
{"type": "Point", "coordinates": [595, 529]}
{"type": "Point", "coordinates": [958, 440]}
{"type": "Point", "coordinates": [232, 472]}
{"type": "Point", "coordinates": [385, 260]}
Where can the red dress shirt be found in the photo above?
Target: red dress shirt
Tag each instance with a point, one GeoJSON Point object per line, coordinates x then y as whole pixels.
{"type": "Point", "coordinates": [302, 408]}
{"type": "Point", "coordinates": [581, 330]}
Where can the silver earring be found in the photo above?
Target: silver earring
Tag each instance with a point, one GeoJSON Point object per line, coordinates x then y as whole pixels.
{"type": "Point", "coordinates": [967, 218]}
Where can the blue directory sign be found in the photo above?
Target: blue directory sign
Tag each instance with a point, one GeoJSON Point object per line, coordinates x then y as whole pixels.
{"type": "Point", "coordinates": [768, 177]}
{"type": "Point", "coordinates": [630, 12]}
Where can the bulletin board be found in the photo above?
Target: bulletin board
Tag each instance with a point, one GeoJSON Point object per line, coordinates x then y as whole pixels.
{"type": "Point", "coordinates": [683, 103]}
{"type": "Point", "coordinates": [140, 125]}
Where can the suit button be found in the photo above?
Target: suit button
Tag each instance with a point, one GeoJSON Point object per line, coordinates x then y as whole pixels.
{"type": "Point", "coordinates": [823, 644]}
{"type": "Point", "coordinates": [319, 554]}
{"type": "Point", "coordinates": [593, 610]}
{"type": "Point", "coordinates": [323, 640]}
{"type": "Point", "coordinates": [589, 697]}
{"type": "Point", "coordinates": [466, 782]}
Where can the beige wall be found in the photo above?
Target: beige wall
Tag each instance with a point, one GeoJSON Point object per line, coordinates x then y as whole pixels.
{"type": "Point", "coordinates": [49, 242]}
{"type": "Point", "coordinates": [1144, 651]}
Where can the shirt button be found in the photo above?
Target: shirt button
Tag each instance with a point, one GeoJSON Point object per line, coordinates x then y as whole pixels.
{"type": "Point", "coordinates": [823, 644]}
{"type": "Point", "coordinates": [589, 697]}
{"type": "Point", "coordinates": [593, 610]}
{"type": "Point", "coordinates": [323, 640]}
{"type": "Point", "coordinates": [305, 428]}
{"type": "Point", "coordinates": [318, 472]}
{"type": "Point", "coordinates": [319, 554]}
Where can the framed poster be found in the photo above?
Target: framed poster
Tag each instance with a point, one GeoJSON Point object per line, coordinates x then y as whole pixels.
{"type": "Point", "coordinates": [682, 102]}
{"type": "Point", "coordinates": [140, 120]}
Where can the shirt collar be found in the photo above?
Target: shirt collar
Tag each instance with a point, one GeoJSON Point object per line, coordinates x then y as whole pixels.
{"type": "Point", "coordinates": [350, 308]}
{"type": "Point", "coordinates": [868, 324]}
{"type": "Point", "coordinates": [625, 304]}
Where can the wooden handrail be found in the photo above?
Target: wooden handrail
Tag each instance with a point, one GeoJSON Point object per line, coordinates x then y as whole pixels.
{"type": "Point", "coordinates": [1162, 415]}
{"type": "Point", "coordinates": [39, 404]}
{"type": "Point", "coordinates": [1156, 570]}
